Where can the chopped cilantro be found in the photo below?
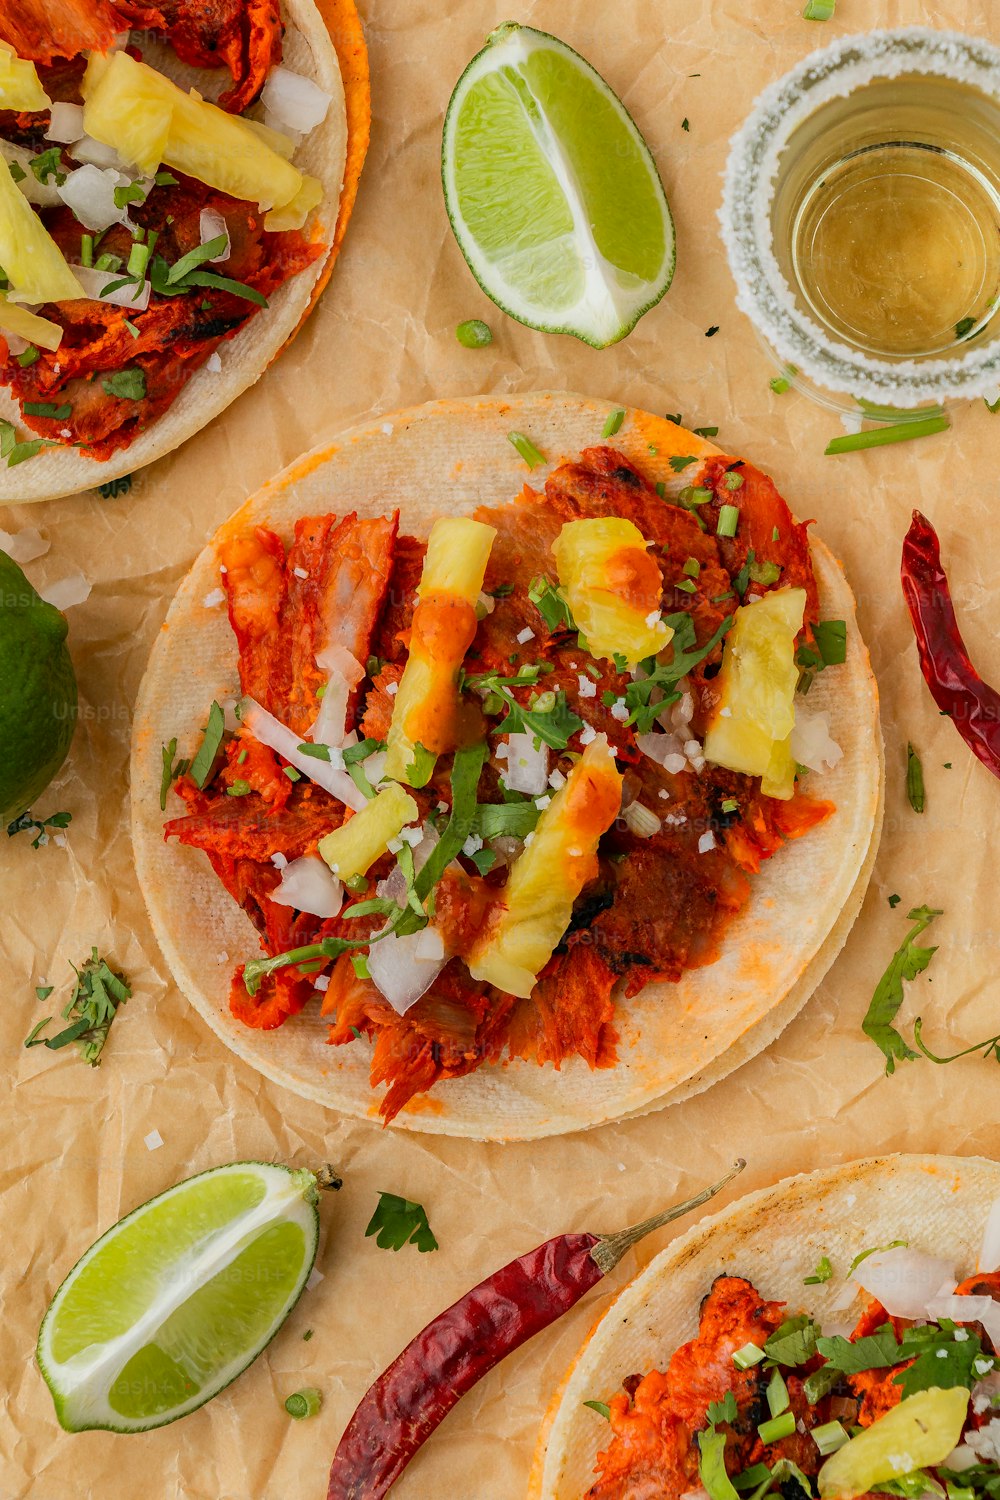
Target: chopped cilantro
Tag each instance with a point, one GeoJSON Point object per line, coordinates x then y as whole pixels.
{"type": "Point", "coordinates": [421, 767]}
{"type": "Point", "coordinates": [907, 962]}
{"type": "Point", "coordinates": [26, 823]}
{"type": "Point", "coordinates": [794, 1343]}
{"type": "Point", "coordinates": [711, 332]}
{"type": "Point", "coordinates": [548, 600]}
{"type": "Point", "coordinates": [204, 760]}
{"type": "Point", "coordinates": [171, 771]}
{"type": "Point", "coordinates": [97, 994]}
{"type": "Point", "coordinates": [705, 432]}
{"type": "Point", "coordinates": [938, 1359]}
{"type": "Point", "coordinates": [128, 384]}
{"type": "Point", "coordinates": [874, 1250]}
{"type": "Point", "coordinates": [397, 1222]}
{"type": "Point", "coordinates": [484, 860]}
{"type": "Point", "coordinates": [685, 123]}
{"type": "Point", "coordinates": [894, 900]}
{"type": "Point", "coordinates": [723, 1411]}
{"type": "Point", "coordinates": [48, 164]}
{"type": "Point", "coordinates": [662, 679]}
{"type": "Point", "coordinates": [680, 461]}
{"type": "Point", "coordinates": [47, 409]}
{"type": "Point", "coordinates": [601, 1409]}
{"type": "Point", "coordinates": [513, 819]}
{"type": "Point", "coordinates": [15, 452]}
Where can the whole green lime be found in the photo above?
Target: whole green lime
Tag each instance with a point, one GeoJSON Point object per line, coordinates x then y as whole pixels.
{"type": "Point", "coordinates": [37, 692]}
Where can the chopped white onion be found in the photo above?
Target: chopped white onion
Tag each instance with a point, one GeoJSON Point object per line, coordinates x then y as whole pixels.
{"type": "Point", "coordinates": [404, 968]}
{"type": "Point", "coordinates": [906, 1281]}
{"type": "Point", "coordinates": [665, 749]}
{"type": "Point", "coordinates": [278, 737]}
{"type": "Point", "coordinates": [374, 766]}
{"type": "Point", "coordinates": [344, 673]}
{"type": "Point", "coordinates": [132, 295]}
{"type": "Point", "coordinates": [65, 592]}
{"type": "Point", "coordinates": [24, 545]}
{"type": "Point", "coordinates": [293, 100]}
{"type": "Point", "coordinates": [985, 1441]}
{"type": "Point", "coordinates": [89, 192]}
{"type": "Point", "coordinates": [96, 153]}
{"type": "Point", "coordinates": [811, 742]}
{"type": "Point", "coordinates": [66, 123]}
{"type": "Point", "coordinates": [211, 225]}
{"type": "Point", "coordinates": [961, 1458]}
{"type": "Point", "coordinates": [527, 767]}
{"type": "Point", "coordinates": [641, 821]}
{"type": "Point", "coordinates": [309, 885]}
{"type": "Point", "coordinates": [989, 1254]}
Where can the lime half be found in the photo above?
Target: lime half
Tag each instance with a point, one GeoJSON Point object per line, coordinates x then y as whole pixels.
{"type": "Point", "coordinates": [552, 192]}
{"type": "Point", "coordinates": [179, 1297]}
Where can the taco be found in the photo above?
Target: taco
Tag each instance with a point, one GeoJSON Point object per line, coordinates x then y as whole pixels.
{"type": "Point", "coordinates": [832, 1336]}
{"type": "Point", "coordinates": [178, 179]}
{"type": "Point", "coordinates": [593, 877]}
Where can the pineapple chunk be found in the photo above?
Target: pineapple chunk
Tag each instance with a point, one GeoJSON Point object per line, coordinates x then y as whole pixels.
{"type": "Point", "coordinates": [919, 1433]}
{"type": "Point", "coordinates": [756, 711]}
{"type": "Point", "coordinates": [427, 710]}
{"type": "Point", "coordinates": [20, 86]}
{"type": "Point", "coordinates": [28, 325]}
{"type": "Point", "coordinates": [32, 260]}
{"type": "Point", "coordinates": [354, 847]}
{"type": "Point", "coordinates": [149, 120]}
{"type": "Point", "coordinates": [612, 586]}
{"type": "Point", "coordinates": [547, 878]}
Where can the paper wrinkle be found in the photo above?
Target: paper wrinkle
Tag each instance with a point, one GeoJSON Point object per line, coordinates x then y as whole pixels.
{"type": "Point", "coordinates": [383, 337]}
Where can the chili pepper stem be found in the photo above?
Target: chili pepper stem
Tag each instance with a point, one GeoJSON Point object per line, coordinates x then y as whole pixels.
{"type": "Point", "coordinates": [611, 1247]}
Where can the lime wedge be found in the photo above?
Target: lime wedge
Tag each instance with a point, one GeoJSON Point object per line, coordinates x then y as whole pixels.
{"type": "Point", "coordinates": [552, 192]}
{"type": "Point", "coordinates": [176, 1299]}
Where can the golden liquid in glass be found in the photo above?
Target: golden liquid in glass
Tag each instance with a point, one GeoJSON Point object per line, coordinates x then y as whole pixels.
{"type": "Point", "coordinates": [888, 217]}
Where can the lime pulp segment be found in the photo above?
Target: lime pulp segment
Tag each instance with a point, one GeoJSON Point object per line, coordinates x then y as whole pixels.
{"type": "Point", "coordinates": [179, 1297]}
{"type": "Point", "coordinates": [552, 192]}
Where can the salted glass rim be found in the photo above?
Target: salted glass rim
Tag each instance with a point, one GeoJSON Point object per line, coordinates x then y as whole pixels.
{"type": "Point", "coordinates": [762, 292]}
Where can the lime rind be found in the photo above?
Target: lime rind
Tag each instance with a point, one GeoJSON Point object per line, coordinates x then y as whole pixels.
{"type": "Point", "coordinates": [81, 1385]}
{"type": "Point", "coordinates": [575, 288]}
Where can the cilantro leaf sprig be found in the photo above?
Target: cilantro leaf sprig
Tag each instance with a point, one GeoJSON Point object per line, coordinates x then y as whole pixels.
{"type": "Point", "coordinates": [91, 1009]}
{"type": "Point", "coordinates": [28, 823]}
{"type": "Point", "coordinates": [397, 1222]}
{"type": "Point", "coordinates": [549, 718]}
{"type": "Point", "coordinates": [548, 600]}
{"type": "Point", "coordinates": [662, 679]}
{"type": "Point", "coordinates": [907, 962]}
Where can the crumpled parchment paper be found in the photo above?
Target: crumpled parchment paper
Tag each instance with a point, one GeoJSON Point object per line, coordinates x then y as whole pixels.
{"type": "Point", "coordinates": [73, 1156]}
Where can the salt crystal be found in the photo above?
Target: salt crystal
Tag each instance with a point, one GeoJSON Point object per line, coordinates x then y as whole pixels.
{"type": "Point", "coordinates": [153, 1141]}
{"type": "Point", "coordinates": [300, 572]}
{"type": "Point", "coordinates": [387, 428]}
{"type": "Point", "coordinates": [706, 842]}
{"type": "Point", "coordinates": [214, 363]}
{"type": "Point", "coordinates": [321, 982]}
{"type": "Point", "coordinates": [392, 688]}
{"type": "Point", "coordinates": [222, 958]}
{"type": "Point", "coordinates": [215, 598]}
{"type": "Point", "coordinates": [315, 1277]}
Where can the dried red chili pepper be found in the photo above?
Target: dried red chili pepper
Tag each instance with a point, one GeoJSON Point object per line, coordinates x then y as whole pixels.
{"type": "Point", "coordinates": [461, 1345]}
{"type": "Point", "coordinates": [956, 687]}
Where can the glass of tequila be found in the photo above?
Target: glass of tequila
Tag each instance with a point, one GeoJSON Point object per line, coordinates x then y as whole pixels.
{"type": "Point", "coordinates": [861, 216]}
